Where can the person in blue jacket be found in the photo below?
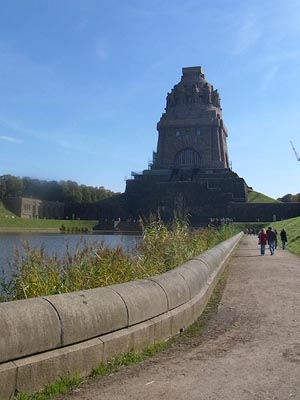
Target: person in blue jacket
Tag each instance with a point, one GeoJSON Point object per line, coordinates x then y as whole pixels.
{"type": "Point", "coordinates": [271, 235]}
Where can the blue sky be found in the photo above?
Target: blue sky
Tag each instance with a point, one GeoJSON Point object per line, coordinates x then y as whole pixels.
{"type": "Point", "coordinates": [83, 84]}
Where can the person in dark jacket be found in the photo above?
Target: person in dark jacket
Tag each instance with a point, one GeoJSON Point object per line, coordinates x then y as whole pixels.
{"type": "Point", "coordinates": [283, 238]}
{"type": "Point", "coordinates": [271, 235]}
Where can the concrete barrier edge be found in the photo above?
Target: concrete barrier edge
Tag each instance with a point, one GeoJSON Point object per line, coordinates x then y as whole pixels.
{"type": "Point", "coordinates": [31, 373]}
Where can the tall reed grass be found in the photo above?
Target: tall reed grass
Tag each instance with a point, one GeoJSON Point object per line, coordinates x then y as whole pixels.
{"type": "Point", "coordinates": [161, 249]}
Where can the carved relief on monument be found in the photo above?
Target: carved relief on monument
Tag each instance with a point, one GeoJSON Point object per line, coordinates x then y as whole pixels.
{"type": "Point", "coordinates": [189, 92]}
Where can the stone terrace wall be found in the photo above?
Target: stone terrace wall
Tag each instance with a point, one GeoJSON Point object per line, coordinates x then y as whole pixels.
{"type": "Point", "coordinates": [263, 211]}
{"type": "Point", "coordinates": [43, 339]}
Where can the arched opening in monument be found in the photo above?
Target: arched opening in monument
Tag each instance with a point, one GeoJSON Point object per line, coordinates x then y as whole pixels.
{"type": "Point", "coordinates": [187, 158]}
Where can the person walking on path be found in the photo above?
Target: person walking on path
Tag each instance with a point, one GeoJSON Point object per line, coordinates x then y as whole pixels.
{"type": "Point", "coordinates": [276, 242]}
{"type": "Point", "coordinates": [262, 240]}
{"type": "Point", "coordinates": [283, 238]}
{"type": "Point", "coordinates": [271, 235]}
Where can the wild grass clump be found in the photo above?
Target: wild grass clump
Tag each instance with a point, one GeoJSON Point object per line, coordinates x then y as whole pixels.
{"type": "Point", "coordinates": [61, 386]}
{"type": "Point", "coordinates": [165, 247]}
{"type": "Point", "coordinates": [162, 248]}
{"type": "Point", "coordinates": [91, 265]}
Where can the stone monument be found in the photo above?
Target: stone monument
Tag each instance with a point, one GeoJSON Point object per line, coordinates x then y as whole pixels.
{"type": "Point", "coordinates": [190, 173]}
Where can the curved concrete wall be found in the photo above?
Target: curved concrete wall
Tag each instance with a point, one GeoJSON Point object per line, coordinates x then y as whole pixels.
{"type": "Point", "coordinates": [45, 338]}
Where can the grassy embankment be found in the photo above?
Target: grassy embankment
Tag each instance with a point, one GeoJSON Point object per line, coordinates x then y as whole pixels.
{"type": "Point", "coordinates": [256, 197]}
{"type": "Point", "coordinates": [292, 227]}
{"type": "Point", "coordinates": [162, 249]}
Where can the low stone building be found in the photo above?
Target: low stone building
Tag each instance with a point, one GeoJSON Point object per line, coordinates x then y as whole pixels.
{"type": "Point", "coordinates": [34, 208]}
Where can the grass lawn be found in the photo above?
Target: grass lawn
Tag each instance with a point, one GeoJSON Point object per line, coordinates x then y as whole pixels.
{"type": "Point", "coordinates": [44, 223]}
{"type": "Point", "coordinates": [256, 197]}
{"type": "Point", "coordinates": [292, 227]}
{"type": "Point", "coordinates": [10, 221]}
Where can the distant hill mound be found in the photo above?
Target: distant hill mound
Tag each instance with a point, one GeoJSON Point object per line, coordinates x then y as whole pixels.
{"type": "Point", "coordinates": [292, 227]}
{"type": "Point", "coordinates": [256, 197]}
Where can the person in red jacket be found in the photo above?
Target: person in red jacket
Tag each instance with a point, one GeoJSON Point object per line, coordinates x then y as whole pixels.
{"type": "Point", "coordinates": [262, 240]}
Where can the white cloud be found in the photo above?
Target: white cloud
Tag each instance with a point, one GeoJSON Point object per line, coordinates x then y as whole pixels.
{"type": "Point", "coordinates": [64, 143]}
{"type": "Point", "coordinates": [10, 139]}
{"type": "Point", "coordinates": [247, 35]}
{"type": "Point", "coordinates": [276, 56]}
{"type": "Point", "coordinates": [269, 77]}
{"type": "Point", "coordinates": [42, 136]}
{"type": "Point", "coordinates": [9, 123]}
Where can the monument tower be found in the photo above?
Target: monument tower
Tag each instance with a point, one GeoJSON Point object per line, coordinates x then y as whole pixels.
{"type": "Point", "coordinates": [190, 173]}
{"type": "Point", "coordinates": [191, 131]}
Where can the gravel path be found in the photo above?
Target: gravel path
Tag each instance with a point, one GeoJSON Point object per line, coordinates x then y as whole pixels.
{"type": "Point", "coordinates": [251, 350]}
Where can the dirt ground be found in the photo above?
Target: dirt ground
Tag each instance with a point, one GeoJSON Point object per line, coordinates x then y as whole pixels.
{"type": "Point", "coordinates": [249, 351]}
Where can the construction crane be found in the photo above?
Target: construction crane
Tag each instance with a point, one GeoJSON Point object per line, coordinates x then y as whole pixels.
{"type": "Point", "coordinates": [296, 154]}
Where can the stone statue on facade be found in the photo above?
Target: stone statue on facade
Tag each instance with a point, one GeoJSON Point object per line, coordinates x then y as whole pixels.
{"type": "Point", "coordinates": [216, 99]}
{"type": "Point", "coordinates": [171, 99]}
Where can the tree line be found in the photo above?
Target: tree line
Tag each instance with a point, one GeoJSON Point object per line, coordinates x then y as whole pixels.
{"type": "Point", "coordinates": [290, 198]}
{"type": "Point", "coordinates": [63, 191]}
